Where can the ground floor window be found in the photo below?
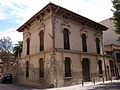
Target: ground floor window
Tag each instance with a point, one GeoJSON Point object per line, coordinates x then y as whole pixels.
{"type": "Point", "coordinates": [27, 68]}
{"type": "Point", "coordinates": [41, 67]}
{"type": "Point", "coordinates": [112, 68]}
{"type": "Point", "coordinates": [100, 67]}
{"type": "Point", "coordinates": [67, 67]}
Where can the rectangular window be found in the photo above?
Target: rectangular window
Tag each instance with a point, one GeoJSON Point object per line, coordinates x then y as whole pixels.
{"type": "Point", "coordinates": [41, 68]}
{"type": "Point", "coordinates": [28, 46]}
{"type": "Point", "coordinates": [84, 45]}
{"type": "Point", "coordinates": [112, 68]}
{"type": "Point", "coordinates": [118, 57]}
{"type": "Point", "coordinates": [27, 68]}
{"type": "Point", "coordinates": [41, 35]}
{"type": "Point", "coordinates": [66, 39]}
{"type": "Point", "coordinates": [100, 67]}
{"type": "Point", "coordinates": [98, 45]}
{"type": "Point", "coordinates": [67, 67]}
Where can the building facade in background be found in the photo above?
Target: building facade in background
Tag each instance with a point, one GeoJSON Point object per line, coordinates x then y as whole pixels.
{"type": "Point", "coordinates": [112, 44]}
{"type": "Point", "coordinates": [61, 48]}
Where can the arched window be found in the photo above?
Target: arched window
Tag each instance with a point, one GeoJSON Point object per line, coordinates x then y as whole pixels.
{"type": "Point", "coordinates": [41, 35]}
{"type": "Point", "coordinates": [100, 67]}
{"type": "Point", "coordinates": [66, 39]}
{"type": "Point", "coordinates": [67, 67]}
{"type": "Point", "coordinates": [112, 68]}
{"type": "Point", "coordinates": [98, 45]}
{"type": "Point", "coordinates": [84, 45]}
{"type": "Point", "coordinates": [41, 67]}
{"type": "Point", "coordinates": [28, 46]}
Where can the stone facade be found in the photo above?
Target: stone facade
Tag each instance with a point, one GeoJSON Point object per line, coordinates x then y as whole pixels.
{"type": "Point", "coordinates": [52, 20]}
{"type": "Point", "coordinates": [112, 44]}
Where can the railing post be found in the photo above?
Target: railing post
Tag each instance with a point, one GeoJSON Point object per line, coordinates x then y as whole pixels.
{"type": "Point", "coordinates": [94, 81]}
{"type": "Point", "coordinates": [103, 79]}
{"type": "Point", "coordinates": [111, 78]}
{"type": "Point", "coordinates": [82, 83]}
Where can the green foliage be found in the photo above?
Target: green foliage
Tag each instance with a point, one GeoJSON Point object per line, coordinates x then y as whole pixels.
{"type": "Point", "coordinates": [5, 49]}
{"type": "Point", "coordinates": [18, 48]}
{"type": "Point", "coordinates": [116, 5]}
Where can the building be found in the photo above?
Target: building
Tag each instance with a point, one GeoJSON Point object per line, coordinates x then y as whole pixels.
{"type": "Point", "coordinates": [112, 44]}
{"type": "Point", "coordinates": [61, 48]}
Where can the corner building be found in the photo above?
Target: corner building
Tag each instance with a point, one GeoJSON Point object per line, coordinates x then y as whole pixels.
{"type": "Point", "coordinates": [61, 48]}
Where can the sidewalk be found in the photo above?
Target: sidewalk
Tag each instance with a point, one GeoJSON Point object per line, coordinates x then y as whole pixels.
{"type": "Point", "coordinates": [87, 85]}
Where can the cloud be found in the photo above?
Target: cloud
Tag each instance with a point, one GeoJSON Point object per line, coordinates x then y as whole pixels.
{"type": "Point", "coordinates": [93, 9]}
{"type": "Point", "coordinates": [14, 35]}
{"type": "Point", "coordinates": [21, 10]}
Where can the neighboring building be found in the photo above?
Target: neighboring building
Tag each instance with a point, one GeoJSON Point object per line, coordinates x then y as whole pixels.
{"type": "Point", "coordinates": [61, 48]}
{"type": "Point", "coordinates": [110, 36]}
{"type": "Point", "coordinates": [112, 44]}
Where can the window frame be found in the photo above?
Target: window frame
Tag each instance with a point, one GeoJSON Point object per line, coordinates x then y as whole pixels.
{"type": "Point", "coordinates": [66, 39]}
{"type": "Point", "coordinates": [84, 42]}
{"type": "Point", "coordinates": [28, 46]}
{"type": "Point", "coordinates": [68, 73]}
{"type": "Point", "coordinates": [41, 38]}
{"type": "Point", "coordinates": [41, 68]}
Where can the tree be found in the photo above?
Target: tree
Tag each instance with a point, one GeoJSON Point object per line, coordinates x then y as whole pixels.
{"type": "Point", "coordinates": [116, 15]}
{"type": "Point", "coordinates": [18, 49]}
{"type": "Point", "coordinates": [6, 49]}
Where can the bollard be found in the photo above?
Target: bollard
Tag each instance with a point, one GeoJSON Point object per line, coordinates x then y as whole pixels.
{"type": "Point", "coordinates": [94, 81]}
{"type": "Point", "coordinates": [103, 79]}
{"type": "Point", "coordinates": [111, 78]}
{"type": "Point", "coordinates": [82, 83]}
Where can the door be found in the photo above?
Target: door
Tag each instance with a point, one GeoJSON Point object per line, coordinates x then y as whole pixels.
{"type": "Point", "coordinates": [86, 69]}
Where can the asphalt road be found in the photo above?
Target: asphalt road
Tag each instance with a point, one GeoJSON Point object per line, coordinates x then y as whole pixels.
{"type": "Point", "coordinates": [16, 87]}
{"type": "Point", "coordinates": [106, 86]}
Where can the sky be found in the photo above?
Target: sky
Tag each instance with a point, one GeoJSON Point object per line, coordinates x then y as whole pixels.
{"type": "Point", "coordinates": [14, 13]}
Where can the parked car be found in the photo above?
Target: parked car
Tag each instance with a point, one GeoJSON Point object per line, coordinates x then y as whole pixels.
{"type": "Point", "coordinates": [6, 78]}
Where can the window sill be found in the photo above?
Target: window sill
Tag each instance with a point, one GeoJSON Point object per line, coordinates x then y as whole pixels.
{"type": "Point", "coordinates": [41, 79]}
{"type": "Point", "coordinates": [67, 78]}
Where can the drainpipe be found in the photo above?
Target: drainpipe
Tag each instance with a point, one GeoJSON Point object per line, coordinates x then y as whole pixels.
{"type": "Point", "coordinates": [54, 49]}
{"type": "Point", "coordinates": [104, 56]}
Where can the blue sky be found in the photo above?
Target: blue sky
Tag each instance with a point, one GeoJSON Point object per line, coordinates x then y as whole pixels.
{"type": "Point", "coordinates": [13, 13]}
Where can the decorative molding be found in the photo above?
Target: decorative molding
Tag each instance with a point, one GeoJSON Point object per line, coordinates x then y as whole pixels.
{"type": "Point", "coordinates": [27, 34]}
{"type": "Point", "coordinates": [97, 36]}
{"type": "Point", "coordinates": [41, 27]}
{"type": "Point", "coordinates": [65, 25]}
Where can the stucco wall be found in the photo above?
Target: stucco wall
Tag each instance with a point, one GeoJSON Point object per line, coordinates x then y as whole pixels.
{"type": "Point", "coordinates": [75, 35]}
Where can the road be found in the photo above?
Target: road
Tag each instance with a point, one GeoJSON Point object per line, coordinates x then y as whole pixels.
{"type": "Point", "coordinates": [106, 86]}
{"type": "Point", "coordinates": [16, 87]}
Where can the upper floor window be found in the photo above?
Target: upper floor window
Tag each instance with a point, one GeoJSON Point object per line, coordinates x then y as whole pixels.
{"type": "Point", "coordinates": [98, 45]}
{"type": "Point", "coordinates": [84, 45]}
{"type": "Point", "coordinates": [41, 67]}
{"type": "Point", "coordinates": [100, 67]}
{"type": "Point", "coordinates": [66, 39]}
{"type": "Point", "coordinates": [41, 35]}
{"type": "Point", "coordinates": [112, 68]}
{"type": "Point", "coordinates": [67, 67]}
{"type": "Point", "coordinates": [118, 57]}
{"type": "Point", "coordinates": [28, 46]}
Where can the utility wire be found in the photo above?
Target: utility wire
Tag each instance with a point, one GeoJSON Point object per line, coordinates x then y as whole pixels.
{"type": "Point", "coordinates": [8, 32]}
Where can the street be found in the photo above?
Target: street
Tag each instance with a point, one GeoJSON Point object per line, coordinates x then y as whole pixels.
{"type": "Point", "coordinates": [106, 86]}
{"type": "Point", "coordinates": [15, 87]}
